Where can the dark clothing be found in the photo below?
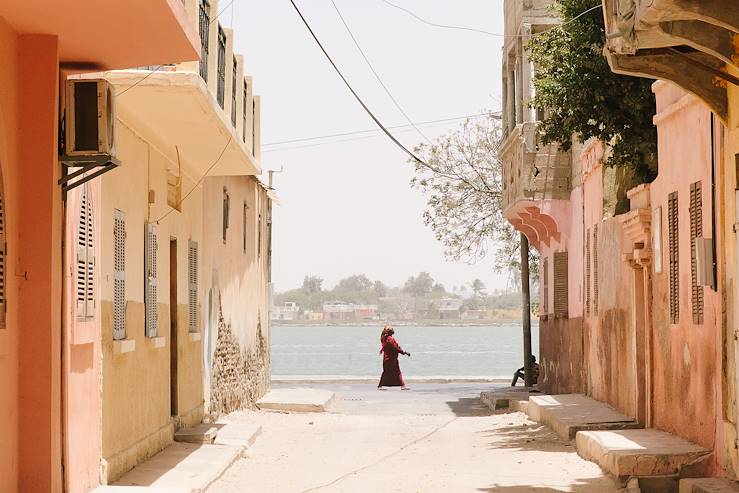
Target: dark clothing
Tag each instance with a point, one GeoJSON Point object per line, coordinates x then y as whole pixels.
{"type": "Point", "coordinates": [391, 375]}
{"type": "Point", "coordinates": [520, 374]}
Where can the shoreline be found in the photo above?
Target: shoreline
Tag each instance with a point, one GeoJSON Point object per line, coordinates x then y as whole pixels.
{"type": "Point", "coordinates": [347, 380]}
{"type": "Point", "coordinates": [419, 323]}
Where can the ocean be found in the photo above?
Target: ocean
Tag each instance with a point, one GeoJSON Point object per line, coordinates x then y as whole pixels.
{"type": "Point", "coordinates": [353, 351]}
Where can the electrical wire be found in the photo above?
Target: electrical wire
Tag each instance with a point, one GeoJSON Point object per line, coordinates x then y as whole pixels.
{"type": "Point", "coordinates": [354, 93]}
{"type": "Point", "coordinates": [377, 76]}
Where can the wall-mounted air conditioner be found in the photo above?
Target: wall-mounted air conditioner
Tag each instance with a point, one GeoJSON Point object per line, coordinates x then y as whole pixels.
{"type": "Point", "coordinates": [89, 116]}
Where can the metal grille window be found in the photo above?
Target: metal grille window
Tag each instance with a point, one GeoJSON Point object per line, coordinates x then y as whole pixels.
{"type": "Point", "coordinates": [204, 35]}
{"type": "Point", "coordinates": [150, 289]}
{"type": "Point", "coordinates": [226, 213]}
{"type": "Point", "coordinates": [595, 269]}
{"type": "Point", "coordinates": [259, 237]}
{"type": "Point", "coordinates": [561, 287]}
{"type": "Point", "coordinates": [696, 231]}
{"type": "Point", "coordinates": [233, 92]}
{"type": "Point", "coordinates": [119, 281]}
{"type": "Point", "coordinates": [85, 264]}
{"type": "Point", "coordinates": [545, 302]}
{"type": "Point", "coordinates": [587, 272]}
{"type": "Point", "coordinates": [244, 112]}
{"type": "Point", "coordinates": [221, 88]}
{"type": "Point", "coordinates": [672, 240]}
{"type": "Point", "coordinates": [244, 225]}
{"type": "Point", "coordinates": [192, 285]}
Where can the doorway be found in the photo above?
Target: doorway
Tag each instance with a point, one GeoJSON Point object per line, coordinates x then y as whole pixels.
{"type": "Point", "coordinates": [173, 346]}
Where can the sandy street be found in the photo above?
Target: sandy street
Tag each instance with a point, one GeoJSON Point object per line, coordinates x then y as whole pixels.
{"type": "Point", "coordinates": [434, 438]}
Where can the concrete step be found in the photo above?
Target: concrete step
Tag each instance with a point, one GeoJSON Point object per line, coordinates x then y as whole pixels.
{"type": "Point", "coordinates": [567, 414]}
{"type": "Point", "coordinates": [242, 435]}
{"type": "Point", "coordinates": [639, 453]}
{"type": "Point", "coordinates": [709, 485]}
{"type": "Point", "coordinates": [202, 433]}
{"type": "Point", "coordinates": [514, 399]}
{"type": "Point", "coordinates": [297, 400]}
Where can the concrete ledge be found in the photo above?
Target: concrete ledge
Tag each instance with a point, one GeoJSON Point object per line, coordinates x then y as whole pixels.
{"type": "Point", "coordinates": [158, 342]}
{"type": "Point", "coordinates": [124, 346]}
{"type": "Point", "coordinates": [193, 336]}
{"type": "Point", "coordinates": [709, 485]}
{"type": "Point", "coordinates": [514, 399]}
{"type": "Point", "coordinates": [297, 400]}
{"type": "Point", "coordinates": [569, 413]}
{"type": "Point", "coordinates": [200, 434]}
{"type": "Point", "coordinates": [240, 435]}
{"type": "Point", "coordinates": [638, 453]}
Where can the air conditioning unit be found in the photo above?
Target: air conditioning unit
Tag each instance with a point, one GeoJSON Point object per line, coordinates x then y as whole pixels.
{"type": "Point", "coordinates": [89, 117]}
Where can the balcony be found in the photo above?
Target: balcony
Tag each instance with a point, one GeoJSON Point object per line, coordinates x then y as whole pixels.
{"type": "Point", "coordinates": [537, 180]}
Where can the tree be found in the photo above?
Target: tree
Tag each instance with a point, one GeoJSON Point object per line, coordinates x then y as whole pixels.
{"type": "Point", "coordinates": [582, 97]}
{"type": "Point", "coordinates": [478, 287]}
{"type": "Point", "coordinates": [462, 182]}
{"type": "Point", "coordinates": [356, 283]}
{"type": "Point", "coordinates": [380, 289]}
{"type": "Point", "coordinates": [420, 285]}
{"type": "Point", "coordinates": [312, 284]}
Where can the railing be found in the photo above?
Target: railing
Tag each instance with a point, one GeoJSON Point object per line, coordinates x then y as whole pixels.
{"type": "Point", "coordinates": [204, 32]}
{"type": "Point", "coordinates": [234, 74]}
{"type": "Point", "coordinates": [221, 88]}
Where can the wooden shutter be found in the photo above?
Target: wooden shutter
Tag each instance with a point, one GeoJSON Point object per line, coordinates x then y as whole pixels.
{"type": "Point", "coordinates": [192, 285]}
{"type": "Point", "coordinates": [595, 269]}
{"type": "Point", "coordinates": [3, 254]}
{"type": "Point", "coordinates": [119, 281]}
{"type": "Point", "coordinates": [672, 240]}
{"type": "Point", "coordinates": [226, 213]}
{"type": "Point", "coordinates": [85, 256]}
{"type": "Point", "coordinates": [545, 302]}
{"type": "Point", "coordinates": [561, 285]}
{"type": "Point", "coordinates": [696, 231]}
{"type": "Point", "coordinates": [587, 272]}
{"type": "Point", "coordinates": [244, 224]}
{"type": "Point", "coordinates": [259, 237]}
{"type": "Point", "coordinates": [150, 287]}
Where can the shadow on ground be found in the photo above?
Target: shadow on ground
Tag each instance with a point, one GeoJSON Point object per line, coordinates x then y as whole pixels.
{"type": "Point", "coordinates": [589, 485]}
{"type": "Point", "coordinates": [530, 436]}
{"type": "Point", "coordinates": [466, 407]}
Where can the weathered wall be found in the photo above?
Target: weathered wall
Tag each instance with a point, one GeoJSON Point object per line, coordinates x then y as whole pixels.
{"type": "Point", "coordinates": [236, 279]}
{"type": "Point", "coordinates": [137, 419]}
{"type": "Point", "coordinates": [686, 369]}
{"type": "Point", "coordinates": [561, 356]}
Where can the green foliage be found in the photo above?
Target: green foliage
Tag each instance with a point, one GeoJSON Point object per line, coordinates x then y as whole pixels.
{"type": "Point", "coordinates": [420, 285]}
{"type": "Point", "coordinates": [581, 95]}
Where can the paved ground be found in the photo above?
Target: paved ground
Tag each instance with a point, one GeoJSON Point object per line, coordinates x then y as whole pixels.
{"type": "Point", "coordinates": [433, 438]}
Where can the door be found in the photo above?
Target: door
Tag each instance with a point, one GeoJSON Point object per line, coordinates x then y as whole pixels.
{"type": "Point", "coordinates": [173, 346]}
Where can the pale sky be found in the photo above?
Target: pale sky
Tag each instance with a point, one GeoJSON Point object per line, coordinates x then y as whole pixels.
{"type": "Point", "coordinates": [347, 208]}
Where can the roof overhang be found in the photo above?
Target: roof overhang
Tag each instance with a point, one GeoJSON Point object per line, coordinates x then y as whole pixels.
{"type": "Point", "coordinates": [176, 111]}
{"type": "Point", "coordinates": [104, 35]}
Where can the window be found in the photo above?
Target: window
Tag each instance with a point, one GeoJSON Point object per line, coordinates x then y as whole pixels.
{"type": "Point", "coordinates": [259, 237]}
{"type": "Point", "coordinates": [233, 92]}
{"type": "Point", "coordinates": [244, 225]}
{"type": "Point", "coordinates": [560, 285]}
{"type": "Point", "coordinates": [244, 112]}
{"type": "Point", "coordinates": [119, 281]}
{"type": "Point", "coordinates": [595, 269]}
{"type": "Point", "coordinates": [221, 87]}
{"type": "Point", "coordinates": [672, 241]}
{"type": "Point", "coordinates": [696, 231]}
{"type": "Point", "coordinates": [545, 301]}
{"type": "Point", "coordinates": [150, 294]}
{"type": "Point", "coordinates": [192, 285]}
{"type": "Point", "coordinates": [253, 127]}
{"type": "Point", "coordinates": [226, 213]}
{"type": "Point", "coordinates": [204, 35]}
{"type": "Point", "coordinates": [587, 272]}
{"type": "Point", "coordinates": [85, 244]}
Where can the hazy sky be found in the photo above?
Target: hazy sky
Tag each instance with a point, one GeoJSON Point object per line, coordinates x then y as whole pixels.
{"type": "Point", "coordinates": [347, 207]}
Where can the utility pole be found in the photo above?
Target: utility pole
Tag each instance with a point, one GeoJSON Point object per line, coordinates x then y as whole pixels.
{"type": "Point", "coordinates": [526, 295]}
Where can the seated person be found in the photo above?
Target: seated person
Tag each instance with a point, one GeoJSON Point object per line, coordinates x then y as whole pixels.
{"type": "Point", "coordinates": [534, 372]}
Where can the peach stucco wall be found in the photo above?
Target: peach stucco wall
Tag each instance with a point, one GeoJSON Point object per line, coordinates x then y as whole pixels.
{"type": "Point", "coordinates": [687, 358]}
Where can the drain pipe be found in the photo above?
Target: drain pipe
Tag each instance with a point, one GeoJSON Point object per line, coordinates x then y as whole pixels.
{"type": "Point", "coordinates": [713, 200]}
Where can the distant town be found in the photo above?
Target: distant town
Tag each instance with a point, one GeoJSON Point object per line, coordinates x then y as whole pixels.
{"type": "Point", "coordinates": [421, 300]}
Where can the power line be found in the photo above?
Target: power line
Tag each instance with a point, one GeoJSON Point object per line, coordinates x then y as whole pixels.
{"type": "Point", "coordinates": [356, 132]}
{"type": "Point", "coordinates": [377, 76]}
{"type": "Point", "coordinates": [354, 93]}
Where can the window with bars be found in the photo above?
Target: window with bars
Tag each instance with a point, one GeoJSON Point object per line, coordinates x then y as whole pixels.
{"type": "Point", "coordinates": [253, 127]}
{"type": "Point", "coordinates": [226, 213]}
{"type": "Point", "coordinates": [696, 231]}
{"type": "Point", "coordinates": [233, 91]}
{"type": "Point", "coordinates": [192, 285]}
{"type": "Point", "coordinates": [3, 255]}
{"type": "Point", "coordinates": [259, 237]}
{"type": "Point", "coordinates": [221, 87]}
{"type": "Point", "coordinates": [85, 261]}
{"type": "Point", "coordinates": [244, 223]}
{"type": "Point", "coordinates": [595, 269]}
{"type": "Point", "coordinates": [587, 272]}
{"type": "Point", "coordinates": [204, 35]}
{"type": "Point", "coordinates": [150, 289]}
{"type": "Point", "coordinates": [119, 280]}
{"type": "Point", "coordinates": [244, 111]}
{"type": "Point", "coordinates": [561, 285]}
{"type": "Point", "coordinates": [672, 245]}
{"type": "Point", "coordinates": [545, 303]}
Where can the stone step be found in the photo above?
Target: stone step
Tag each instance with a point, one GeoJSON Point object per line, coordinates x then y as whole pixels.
{"type": "Point", "coordinates": [709, 485]}
{"type": "Point", "coordinates": [202, 433]}
{"type": "Point", "coordinates": [639, 453]}
{"type": "Point", "coordinates": [567, 414]}
{"type": "Point", "coordinates": [297, 400]}
{"type": "Point", "coordinates": [514, 399]}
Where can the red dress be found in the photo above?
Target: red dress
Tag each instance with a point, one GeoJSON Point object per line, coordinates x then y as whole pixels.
{"type": "Point", "coordinates": [391, 375]}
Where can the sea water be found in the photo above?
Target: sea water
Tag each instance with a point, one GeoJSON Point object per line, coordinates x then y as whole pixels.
{"type": "Point", "coordinates": [438, 351]}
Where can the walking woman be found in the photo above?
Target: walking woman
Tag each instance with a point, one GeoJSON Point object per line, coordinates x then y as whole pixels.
{"type": "Point", "coordinates": [391, 375]}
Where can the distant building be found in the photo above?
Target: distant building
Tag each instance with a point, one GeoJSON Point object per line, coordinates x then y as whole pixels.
{"type": "Point", "coordinates": [289, 311]}
{"type": "Point", "coordinates": [341, 311]}
{"type": "Point", "coordinates": [312, 316]}
{"type": "Point", "coordinates": [448, 308]}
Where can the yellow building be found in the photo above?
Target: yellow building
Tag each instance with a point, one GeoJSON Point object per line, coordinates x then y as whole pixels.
{"type": "Point", "coordinates": [183, 232]}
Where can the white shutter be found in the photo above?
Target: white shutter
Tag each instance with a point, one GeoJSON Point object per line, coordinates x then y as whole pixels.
{"type": "Point", "coordinates": [150, 279]}
{"type": "Point", "coordinates": [85, 257]}
{"type": "Point", "coordinates": [119, 286]}
{"type": "Point", "coordinates": [192, 285]}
